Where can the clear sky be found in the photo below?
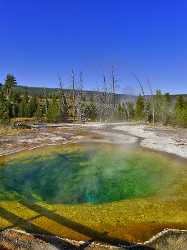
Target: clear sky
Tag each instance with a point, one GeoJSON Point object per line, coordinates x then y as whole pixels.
{"type": "Point", "coordinates": [41, 38]}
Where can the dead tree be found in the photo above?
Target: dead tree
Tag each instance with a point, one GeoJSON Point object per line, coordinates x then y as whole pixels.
{"type": "Point", "coordinates": [63, 102]}
{"type": "Point", "coordinates": [139, 83]}
{"type": "Point", "coordinates": [105, 100]}
{"type": "Point", "coordinates": [46, 100]}
{"type": "Point", "coordinates": [141, 86]}
{"type": "Point", "coordinates": [114, 81]}
{"type": "Point", "coordinates": [152, 101]}
{"type": "Point", "coordinates": [73, 95]}
{"type": "Point", "coordinates": [102, 101]}
{"type": "Point", "coordinates": [79, 99]}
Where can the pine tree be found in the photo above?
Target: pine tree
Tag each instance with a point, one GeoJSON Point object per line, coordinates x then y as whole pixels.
{"type": "Point", "coordinates": [167, 109]}
{"type": "Point", "coordinates": [24, 106]}
{"type": "Point", "coordinates": [53, 113]}
{"type": "Point", "coordinates": [10, 83]}
{"type": "Point", "coordinates": [139, 108]}
{"type": "Point", "coordinates": [32, 106]}
{"type": "Point", "coordinates": [39, 112]}
{"type": "Point", "coordinates": [181, 111]}
{"type": "Point", "coordinates": [148, 111]}
{"type": "Point", "coordinates": [90, 111]}
{"type": "Point", "coordinates": [180, 103]}
{"type": "Point", "coordinates": [63, 107]}
{"type": "Point", "coordinates": [158, 99]}
{"type": "Point", "coordinates": [14, 104]}
{"type": "Point", "coordinates": [121, 112]}
{"type": "Point", "coordinates": [4, 111]}
{"type": "Point", "coordinates": [130, 110]}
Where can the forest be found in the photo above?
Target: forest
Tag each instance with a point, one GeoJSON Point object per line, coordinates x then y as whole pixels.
{"type": "Point", "coordinates": [77, 105]}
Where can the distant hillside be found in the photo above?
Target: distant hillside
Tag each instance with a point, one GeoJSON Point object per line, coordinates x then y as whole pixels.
{"type": "Point", "coordinates": [39, 91]}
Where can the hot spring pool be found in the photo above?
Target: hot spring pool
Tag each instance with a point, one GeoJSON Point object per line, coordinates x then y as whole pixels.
{"type": "Point", "coordinates": [78, 191]}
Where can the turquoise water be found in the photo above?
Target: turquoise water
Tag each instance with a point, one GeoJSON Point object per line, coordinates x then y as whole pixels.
{"type": "Point", "coordinates": [85, 174]}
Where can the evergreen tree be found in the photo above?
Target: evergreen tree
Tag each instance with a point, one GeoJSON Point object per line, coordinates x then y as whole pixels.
{"type": "Point", "coordinates": [148, 112]}
{"type": "Point", "coordinates": [180, 103]}
{"type": "Point", "coordinates": [167, 109]}
{"type": "Point", "coordinates": [63, 106]}
{"type": "Point", "coordinates": [139, 108]}
{"type": "Point", "coordinates": [24, 106]}
{"type": "Point", "coordinates": [181, 111]}
{"type": "Point", "coordinates": [14, 108]}
{"type": "Point", "coordinates": [158, 99]}
{"type": "Point", "coordinates": [10, 83]}
{"type": "Point", "coordinates": [39, 112]}
{"type": "Point", "coordinates": [121, 112]}
{"type": "Point", "coordinates": [32, 106]}
{"type": "Point", "coordinates": [4, 111]}
{"type": "Point", "coordinates": [130, 110]}
{"type": "Point", "coordinates": [53, 113]}
{"type": "Point", "coordinates": [90, 111]}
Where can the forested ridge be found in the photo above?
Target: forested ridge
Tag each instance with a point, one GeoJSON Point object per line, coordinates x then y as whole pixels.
{"type": "Point", "coordinates": [76, 104]}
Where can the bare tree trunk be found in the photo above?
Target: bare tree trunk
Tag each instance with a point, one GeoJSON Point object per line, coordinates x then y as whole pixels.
{"type": "Point", "coordinates": [139, 83]}
{"type": "Point", "coordinates": [141, 88]}
{"type": "Point", "coordinates": [73, 89]}
{"type": "Point", "coordinates": [153, 101]}
{"type": "Point", "coordinates": [45, 95]}
{"type": "Point", "coordinates": [79, 98]}
{"type": "Point", "coordinates": [63, 101]}
{"type": "Point", "coordinates": [114, 81]}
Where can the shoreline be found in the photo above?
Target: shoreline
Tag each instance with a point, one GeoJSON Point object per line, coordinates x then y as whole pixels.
{"type": "Point", "coordinates": [167, 140]}
{"type": "Point", "coordinates": [14, 238]}
{"type": "Point", "coordinates": [172, 141]}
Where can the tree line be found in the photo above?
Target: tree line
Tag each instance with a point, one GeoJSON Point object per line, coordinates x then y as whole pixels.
{"type": "Point", "coordinates": [102, 106]}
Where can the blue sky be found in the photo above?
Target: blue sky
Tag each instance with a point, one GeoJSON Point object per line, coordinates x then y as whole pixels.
{"type": "Point", "coordinates": [39, 39]}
